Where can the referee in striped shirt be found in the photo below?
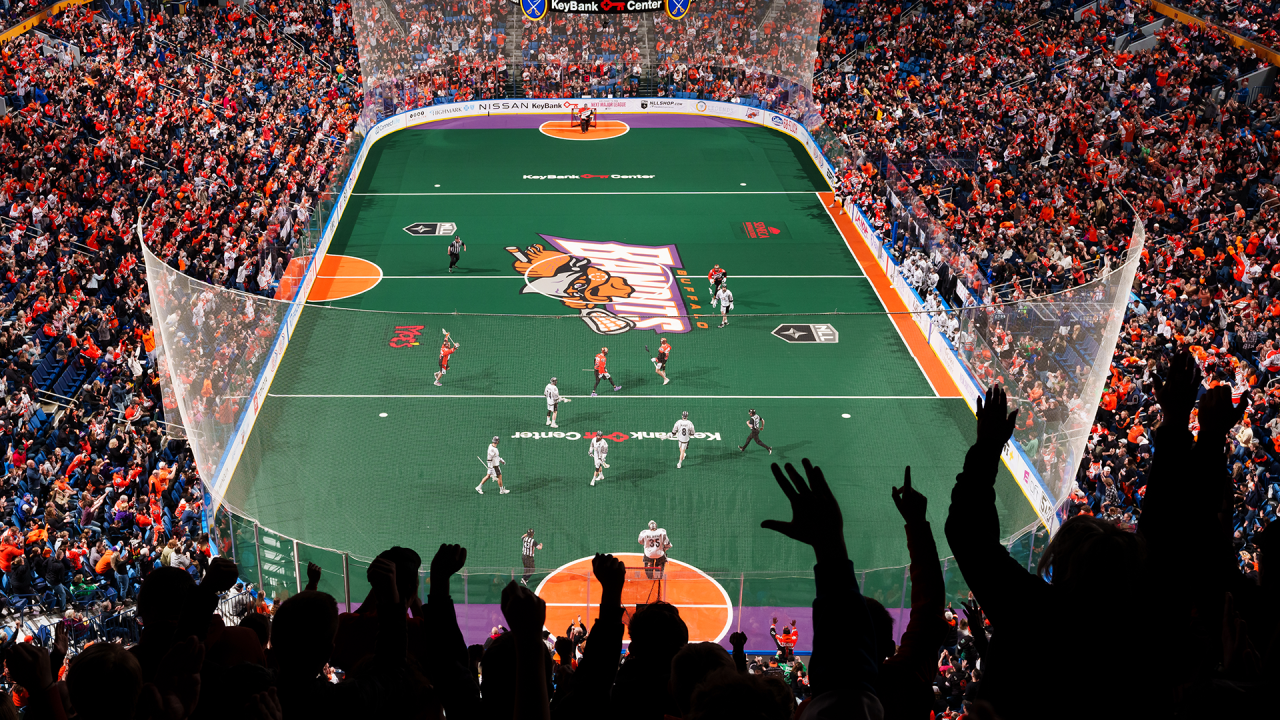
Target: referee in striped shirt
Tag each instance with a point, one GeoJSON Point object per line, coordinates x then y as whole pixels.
{"type": "Point", "coordinates": [526, 556]}
{"type": "Point", "coordinates": [456, 249]}
{"type": "Point", "coordinates": [754, 422]}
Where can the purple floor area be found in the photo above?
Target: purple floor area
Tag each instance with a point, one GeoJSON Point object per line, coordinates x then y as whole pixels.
{"type": "Point", "coordinates": [635, 120]}
{"type": "Point", "coordinates": [477, 621]}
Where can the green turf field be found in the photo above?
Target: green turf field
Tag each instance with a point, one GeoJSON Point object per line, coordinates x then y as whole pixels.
{"type": "Point", "coordinates": [326, 467]}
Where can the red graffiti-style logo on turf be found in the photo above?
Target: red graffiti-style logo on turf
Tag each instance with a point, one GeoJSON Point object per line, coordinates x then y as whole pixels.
{"type": "Point", "coordinates": [606, 177]}
{"type": "Point", "coordinates": [406, 336]}
{"type": "Point", "coordinates": [615, 287]}
{"type": "Point", "coordinates": [614, 436]}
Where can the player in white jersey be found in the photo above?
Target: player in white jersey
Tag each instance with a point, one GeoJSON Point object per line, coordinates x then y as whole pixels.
{"type": "Point", "coordinates": [598, 449]}
{"type": "Point", "coordinates": [552, 393]}
{"type": "Point", "coordinates": [682, 432]}
{"type": "Point", "coordinates": [725, 298]}
{"type": "Point", "coordinates": [494, 463]}
{"type": "Point", "coordinates": [655, 544]}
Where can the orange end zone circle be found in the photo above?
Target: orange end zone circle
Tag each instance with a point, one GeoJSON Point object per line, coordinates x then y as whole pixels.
{"type": "Point", "coordinates": [604, 130]}
{"type": "Point", "coordinates": [572, 590]}
{"type": "Point", "coordinates": [343, 276]}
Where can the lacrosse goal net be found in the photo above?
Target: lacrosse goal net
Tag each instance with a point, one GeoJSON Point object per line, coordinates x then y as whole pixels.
{"type": "Point", "coordinates": [645, 586]}
{"type": "Point", "coordinates": [575, 115]}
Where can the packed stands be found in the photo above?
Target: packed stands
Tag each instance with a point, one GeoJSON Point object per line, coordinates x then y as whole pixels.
{"type": "Point", "coordinates": [15, 12]}
{"type": "Point", "coordinates": [1032, 144]}
{"type": "Point", "coordinates": [1041, 177]}
{"type": "Point", "coordinates": [1254, 20]}
{"type": "Point", "coordinates": [209, 136]}
{"type": "Point", "coordinates": [457, 57]}
{"type": "Point", "coordinates": [569, 57]}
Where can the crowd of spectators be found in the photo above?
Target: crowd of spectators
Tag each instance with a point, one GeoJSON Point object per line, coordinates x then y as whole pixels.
{"type": "Point", "coordinates": [421, 53]}
{"type": "Point", "coordinates": [1255, 20]}
{"type": "Point", "coordinates": [12, 13]}
{"type": "Point", "coordinates": [573, 55]}
{"type": "Point", "coordinates": [738, 51]}
{"type": "Point", "coordinates": [1032, 142]}
{"type": "Point", "coordinates": [1029, 145]}
{"type": "Point", "coordinates": [209, 134]}
{"type": "Point", "coordinates": [458, 49]}
{"type": "Point", "coordinates": [735, 50]}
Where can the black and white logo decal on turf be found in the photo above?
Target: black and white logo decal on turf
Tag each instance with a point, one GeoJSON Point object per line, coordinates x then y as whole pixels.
{"type": "Point", "coordinates": [420, 229]}
{"type": "Point", "coordinates": [807, 333]}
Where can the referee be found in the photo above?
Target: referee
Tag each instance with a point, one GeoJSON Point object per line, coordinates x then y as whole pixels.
{"type": "Point", "coordinates": [526, 556]}
{"type": "Point", "coordinates": [456, 249]}
{"type": "Point", "coordinates": [754, 422]}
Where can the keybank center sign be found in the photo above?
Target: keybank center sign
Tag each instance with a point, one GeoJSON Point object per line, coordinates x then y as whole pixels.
{"type": "Point", "coordinates": [605, 6]}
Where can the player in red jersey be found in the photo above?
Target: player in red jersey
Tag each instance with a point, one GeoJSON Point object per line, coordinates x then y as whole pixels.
{"type": "Point", "coordinates": [660, 362]}
{"type": "Point", "coordinates": [716, 277]}
{"type": "Point", "coordinates": [602, 373]}
{"type": "Point", "coordinates": [447, 348]}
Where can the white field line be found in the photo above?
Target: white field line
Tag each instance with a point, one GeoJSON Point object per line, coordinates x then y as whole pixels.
{"type": "Point", "coordinates": [625, 397]}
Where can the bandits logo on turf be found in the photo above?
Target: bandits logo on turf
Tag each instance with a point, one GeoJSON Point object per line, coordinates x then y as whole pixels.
{"type": "Point", "coordinates": [615, 287]}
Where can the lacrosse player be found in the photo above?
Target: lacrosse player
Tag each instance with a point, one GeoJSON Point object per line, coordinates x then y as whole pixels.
{"type": "Point", "coordinates": [447, 348]}
{"type": "Point", "coordinates": [598, 449]}
{"type": "Point", "coordinates": [602, 373]}
{"type": "Point", "coordinates": [717, 277]}
{"type": "Point", "coordinates": [725, 298]}
{"type": "Point", "coordinates": [682, 432]}
{"type": "Point", "coordinates": [552, 393]}
{"type": "Point", "coordinates": [494, 464]}
{"type": "Point", "coordinates": [660, 362]}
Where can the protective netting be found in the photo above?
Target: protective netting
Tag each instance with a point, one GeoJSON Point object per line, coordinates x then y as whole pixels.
{"type": "Point", "coordinates": [1051, 355]}
{"type": "Point", "coordinates": [420, 53]}
{"type": "Point", "coordinates": [1048, 343]}
{"type": "Point", "coordinates": [747, 601]}
{"type": "Point", "coordinates": [215, 344]}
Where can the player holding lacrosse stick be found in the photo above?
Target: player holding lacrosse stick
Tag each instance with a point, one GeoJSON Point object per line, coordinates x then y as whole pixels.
{"type": "Point", "coordinates": [493, 468]}
{"type": "Point", "coordinates": [725, 299]}
{"type": "Point", "coordinates": [602, 372]}
{"type": "Point", "coordinates": [716, 277]}
{"type": "Point", "coordinates": [552, 393]}
{"type": "Point", "coordinates": [447, 348]}
{"type": "Point", "coordinates": [660, 362]}
{"type": "Point", "coordinates": [598, 450]}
